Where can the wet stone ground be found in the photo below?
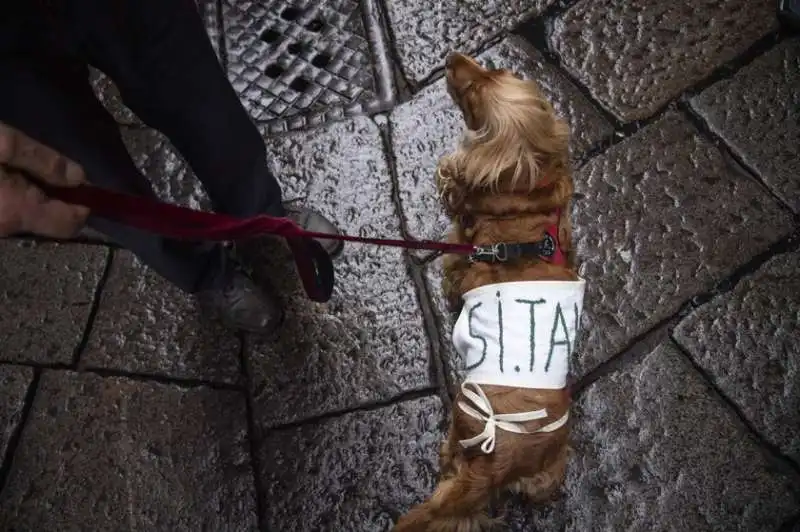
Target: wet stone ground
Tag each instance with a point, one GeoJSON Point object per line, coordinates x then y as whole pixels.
{"type": "Point", "coordinates": [122, 408]}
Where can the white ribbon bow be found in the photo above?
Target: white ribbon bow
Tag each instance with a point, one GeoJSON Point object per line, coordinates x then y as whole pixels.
{"type": "Point", "coordinates": [507, 422]}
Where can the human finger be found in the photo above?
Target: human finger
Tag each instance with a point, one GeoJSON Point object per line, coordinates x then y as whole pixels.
{"type": "Point", "coordinates": [25, 208]}
{"type": "Point", "coordinates": [21, 152]}
{"type": "Point", "coordinates": [55, 219]}
{"type": "Point", "coordinates": [12, 196]}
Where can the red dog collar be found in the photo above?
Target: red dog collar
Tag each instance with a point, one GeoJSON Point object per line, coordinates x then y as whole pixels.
{"type": "Point", "coordinates": [547, 249]}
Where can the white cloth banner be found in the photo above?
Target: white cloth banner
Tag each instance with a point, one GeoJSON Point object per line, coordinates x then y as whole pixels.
{"type": "Point", "coordinates": [520, 334]}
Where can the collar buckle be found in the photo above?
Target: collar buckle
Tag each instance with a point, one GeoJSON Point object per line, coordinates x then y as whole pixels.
{"type": "Point", "coordinates": [548, 246]}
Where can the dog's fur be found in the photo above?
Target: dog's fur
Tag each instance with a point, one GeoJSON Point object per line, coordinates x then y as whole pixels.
{"type": "Point", "coordinates": [503, 184]}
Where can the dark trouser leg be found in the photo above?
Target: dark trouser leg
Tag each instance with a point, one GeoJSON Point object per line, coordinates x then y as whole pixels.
{"type": "Point", "coordinates": [50, 100]}
{"type": "Point", "coordinates": [789, 13]}
{"type": "Point", "coordinates": [160, 57]}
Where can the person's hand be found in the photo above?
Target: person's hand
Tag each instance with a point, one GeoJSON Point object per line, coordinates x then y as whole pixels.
{"type": "Point", "coordinates": [24, 207]}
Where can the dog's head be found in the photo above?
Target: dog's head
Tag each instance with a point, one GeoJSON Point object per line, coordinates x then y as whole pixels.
{"type": "Point", "coordinates": [513, 136]}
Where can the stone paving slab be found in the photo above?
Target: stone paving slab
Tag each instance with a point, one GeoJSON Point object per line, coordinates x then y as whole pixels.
{"type": "Point", "coordinates": [424, 32]}
{"type": "Point", "coordinates": [656, 449]}
{"type": "Point", "coordinates": [14, 383]}
{"type": "Point", "coordinates": [146, 325]}
{"type": "Point", "coordinates": [354, 473]}
{"type": "Point", "coordinates": [659, 218]}
{"type": "Point", "coordinates": [108, 95]}
{"type": "Point", "coordinates": [210, 13]}
{"type": "Point", "coordinates": [167, 170]}
{"type": "Point", "coordinates": [757, 112]}
{"type": "Point", "coordinates": [635, 56]}
{"type": "Point", "coordinates": [105, 453]}
{"type": "Point", "coordinates": [748, 341]}
{"type": "Point", "coordinates": [368, 343]}
{"type": "Point", "coordinates": [46, 295]}
{"type": "Point", "coordinates": [445, 320]}
{"type": "Point", "coordinates": [431, 126]}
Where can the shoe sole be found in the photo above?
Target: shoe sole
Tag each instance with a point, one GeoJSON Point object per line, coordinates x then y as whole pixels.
{"type": "Point", "coordinates": [263, 331]}
{"type": "Point", "coordinates": [336, 251]}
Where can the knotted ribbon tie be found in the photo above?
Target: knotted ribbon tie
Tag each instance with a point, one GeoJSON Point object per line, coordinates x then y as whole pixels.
{"type": "Point", "coordinates": [507, 422]}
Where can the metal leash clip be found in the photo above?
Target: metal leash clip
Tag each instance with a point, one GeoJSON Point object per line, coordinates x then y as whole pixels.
{"type": "Point", "coordinates": [490, 253]}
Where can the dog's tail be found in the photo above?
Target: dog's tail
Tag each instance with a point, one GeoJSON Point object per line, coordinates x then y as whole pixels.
{"type": "Point", "coordinates": [458, 505]}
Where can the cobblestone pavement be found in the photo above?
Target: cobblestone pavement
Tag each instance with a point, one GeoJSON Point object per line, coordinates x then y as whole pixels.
{"type": "Point", "coordinates": [122, 409]}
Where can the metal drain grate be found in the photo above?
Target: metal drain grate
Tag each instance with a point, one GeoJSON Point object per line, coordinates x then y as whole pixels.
{"type": "Point", "coordinates": [293, 65]}
{"type": "Point", "coordinates": [297, 65]}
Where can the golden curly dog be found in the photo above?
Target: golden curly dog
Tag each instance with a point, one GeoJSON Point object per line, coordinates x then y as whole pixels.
{"type": "Point", "coordinates": [508, 182]}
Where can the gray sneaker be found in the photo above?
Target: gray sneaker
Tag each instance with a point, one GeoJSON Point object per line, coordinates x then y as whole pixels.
{"type": "Point", "coordinates": [311, 220]}
{"type": "Point", "coordinates": [242, 305]}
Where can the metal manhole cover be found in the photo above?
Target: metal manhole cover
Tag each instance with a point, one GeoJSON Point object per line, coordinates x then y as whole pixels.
{"type": "Point", "coordinates": [296, 65]}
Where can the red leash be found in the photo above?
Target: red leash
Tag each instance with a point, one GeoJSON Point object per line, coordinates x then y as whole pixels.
{"type": "Point", "coordinates": [172, 221]}
{"type": "Point", "coordinates": [313, 263]}
{"type": "Point", "coordinates": [183, 223]}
